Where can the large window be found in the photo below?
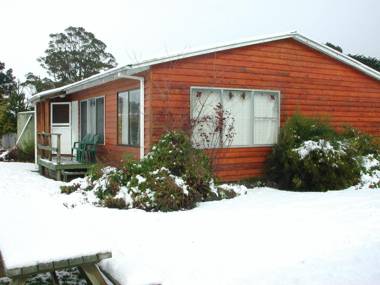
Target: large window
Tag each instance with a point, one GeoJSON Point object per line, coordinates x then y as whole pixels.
{"type": "Point", "coordinates": [251, 116]}
{"type": "Point", "coordinates": [92, 117]}
{"type": "Point", "coordinates": [129, 117]}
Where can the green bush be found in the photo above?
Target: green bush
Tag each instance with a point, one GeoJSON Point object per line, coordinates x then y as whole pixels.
{"type": "Point", "coordinates": [172, 159]}
{"type": "Point", "coordinates": [113, 202]}
{"type": "Point", "coordinates": [363, 144]}
{"type": "Point", "coordinates": [173, 176]}
{"type": "Point", "coordinates": [108, 184]}
{"type": "Point", "coordinates": [95, 172]}
{"type": "Point", "coordinates": [68, 189]}
{"type": "Point", "coordinates": [159, 190]}
{"type": "Point", "coordinates": [311, 156]}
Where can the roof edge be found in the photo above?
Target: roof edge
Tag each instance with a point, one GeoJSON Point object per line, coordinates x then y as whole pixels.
{"type": "Point", "coordinates": [131, 69]}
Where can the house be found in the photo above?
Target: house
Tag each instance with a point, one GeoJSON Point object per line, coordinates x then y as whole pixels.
{"type": "Point", "coordinates": [260, 81]}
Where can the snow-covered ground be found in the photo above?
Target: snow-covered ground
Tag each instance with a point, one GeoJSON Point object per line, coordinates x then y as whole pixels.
{"type": "Point", "coordinates": [264, 237]}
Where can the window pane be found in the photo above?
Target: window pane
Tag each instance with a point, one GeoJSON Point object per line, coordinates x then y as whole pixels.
{"type": "Point", "coordinates": [61, 113]}
{"type": "Point", "coordinates": [203, 116]}
{"type": "Point", "coordinates": [240, 106]}
{"type": "Point", "coordinates": [266, 104]}
{"type": "Point", "coordinates": [265, 131]}
{"type": "Point", "coordinates": [83, 118]}
{"type": "Point", "coordinates": [134, 117]}
{"type": "Point", "coordinates": [123, 118]}
{"type": "Point", "coordinates": [100, 119]}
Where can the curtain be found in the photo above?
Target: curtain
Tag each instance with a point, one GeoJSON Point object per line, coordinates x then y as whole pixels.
{"type": "Point", "coordinates": [83, 118]}
{"type": "Point", "coordinates": [240, 104]}
{"type": "Point", "coordinates": [123, 118]}
{"type": "Point", "coordinates": [203, 106]}
{"type": "Point", "coordinates": [266, 117]}
{"type": "Point", "coordinates": [134, 117]}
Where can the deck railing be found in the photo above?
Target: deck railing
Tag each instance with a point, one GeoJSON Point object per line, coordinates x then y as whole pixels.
{"type": "Point", "coordinates": [45, 148]}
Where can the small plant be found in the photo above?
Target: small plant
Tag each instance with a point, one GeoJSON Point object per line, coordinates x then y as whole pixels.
{"type": "Point", "coordinates": [68, 189]}
{"type": "Point", "coordinates": [113, 202]}
{"type": "Point", "coordinates": [95, 171]}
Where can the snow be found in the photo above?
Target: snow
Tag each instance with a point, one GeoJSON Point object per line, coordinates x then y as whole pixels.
{"type": "Point", "coordinates": [264, 237]}
{"type": "Point", "coordinates": [3, 155]}
{"type": "Point", "coordinates": [309, 146]}
{"type": "Point", "coordinates": [36, 226]}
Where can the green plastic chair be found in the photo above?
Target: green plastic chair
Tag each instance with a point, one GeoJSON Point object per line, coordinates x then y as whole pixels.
{"type": "Point", "coordinates": [89, 151]}
{"type": "Point", "coordinates": [79, 146]}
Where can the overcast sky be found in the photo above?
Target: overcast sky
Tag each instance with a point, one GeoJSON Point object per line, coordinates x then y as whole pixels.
{"type": "Point", "coordinates": [136, 29]}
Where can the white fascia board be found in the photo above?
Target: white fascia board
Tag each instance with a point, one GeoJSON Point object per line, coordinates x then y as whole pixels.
{"type": "Point", "coordinates": [92, 81]}
{"type": "Point", "coordinates": [338, 56]}
{"type": "Point", "coordinates": [228, 46]}
{"type": "Point", "coordinates": [103, 78]}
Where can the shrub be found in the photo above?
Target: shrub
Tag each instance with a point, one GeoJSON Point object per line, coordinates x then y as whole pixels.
{"type": "Point", "coordinates": [113, 202]}
{"type": "Point", "coordinates": [173, 176]}
{"type": "Point", "coordinates": [363, 144]}
{"type": "Point", "coordinates": [68, 189]}
{"type": "Point", "coordinates": [95, 172]}
{"type": "Point", "coordinates": [173, 162]}
{"type": "Point", "coordinates": [108, 184]}
{"type": "Point", "coordinates": [312, 156]}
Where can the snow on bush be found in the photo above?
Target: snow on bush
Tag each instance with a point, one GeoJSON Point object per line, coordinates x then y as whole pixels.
{"type": "Point", "coordinates": [370, 175]}
{"type": "Point", "coordinates": [321, 145]}
{"type": "Point", "coordinates": [173, 176]}
{"type": "Point", "coordinates": [311, 156]}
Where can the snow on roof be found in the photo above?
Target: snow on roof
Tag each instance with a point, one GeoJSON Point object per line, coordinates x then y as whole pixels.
{"type": "Point", "coordinates": [136, 67]}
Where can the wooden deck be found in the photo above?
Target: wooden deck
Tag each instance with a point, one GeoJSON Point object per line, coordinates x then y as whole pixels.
{"type": "Point", "coordinates": [51, 163]}
{"type": "Point", "coordinates": [63, 168]}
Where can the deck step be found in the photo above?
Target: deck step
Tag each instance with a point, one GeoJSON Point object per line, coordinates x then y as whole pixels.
{"type": "Point", "coordinates": [74, 173]}
{"type": "Point", "coordinates": [66, 174]}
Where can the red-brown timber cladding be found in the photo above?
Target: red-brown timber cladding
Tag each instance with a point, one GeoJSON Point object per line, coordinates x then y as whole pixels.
{"type": "Point", "coordinates": [309, 81]}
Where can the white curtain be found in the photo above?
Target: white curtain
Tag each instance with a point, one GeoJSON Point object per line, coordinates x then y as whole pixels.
{"type": "Point", "coordinates": [266, 117]}
{"type": "Point", "coordinates": [91, 116]}
{"type": "Point", "coordinates": [203, 104]}
{"type": "Point", "coordinates": [240, 106]}
{"type": "Point", "coordinates": [123, 113]}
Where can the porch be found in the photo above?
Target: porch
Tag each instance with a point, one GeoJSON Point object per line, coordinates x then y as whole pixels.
{"type": "Point", "coordinates": [51, 162]}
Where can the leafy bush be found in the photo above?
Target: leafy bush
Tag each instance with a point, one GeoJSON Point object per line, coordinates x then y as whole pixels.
{"type": "Point", "coordinates": [114, 202]}
{"type": "Point", "coordinates": [95, 171]}
{"type": "Point", "coordinates": [158, 181]}
{"type": "Point", "coordinates": [363, 144]}
{"type": "Point", "coordinates": [312, 156]}
{"type": "Point", "coordinates": [173, 176]}
{"type": "Point", "coordinates": [68, 189]}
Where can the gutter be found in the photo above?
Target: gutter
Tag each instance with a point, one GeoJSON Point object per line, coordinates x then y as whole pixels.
{"type": "Point", "coordinates": [141, 79]}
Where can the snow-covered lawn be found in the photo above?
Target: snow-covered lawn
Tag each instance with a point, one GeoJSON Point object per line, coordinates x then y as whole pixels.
{"type": "Point", "coordinates": [264, 237]}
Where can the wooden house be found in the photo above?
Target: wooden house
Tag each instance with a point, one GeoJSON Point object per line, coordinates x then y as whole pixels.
{"type": "Point", "coordinates": [261, 81]}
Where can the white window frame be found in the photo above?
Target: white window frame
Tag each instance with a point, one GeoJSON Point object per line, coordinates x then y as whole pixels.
{"type": "Point", "coordinates": [222, 89]}
{"type": "Point", "coordinates": [51, 115]}
{"type": "Point", "coordinates": [104, 116]}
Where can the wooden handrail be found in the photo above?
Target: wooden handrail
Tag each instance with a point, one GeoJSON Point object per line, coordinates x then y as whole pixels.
{"type": "Point", "coordinates": [45, 147]}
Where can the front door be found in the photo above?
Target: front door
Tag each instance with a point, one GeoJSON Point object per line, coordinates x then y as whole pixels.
{"type": "Point", "coordinates": [61, 124]}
